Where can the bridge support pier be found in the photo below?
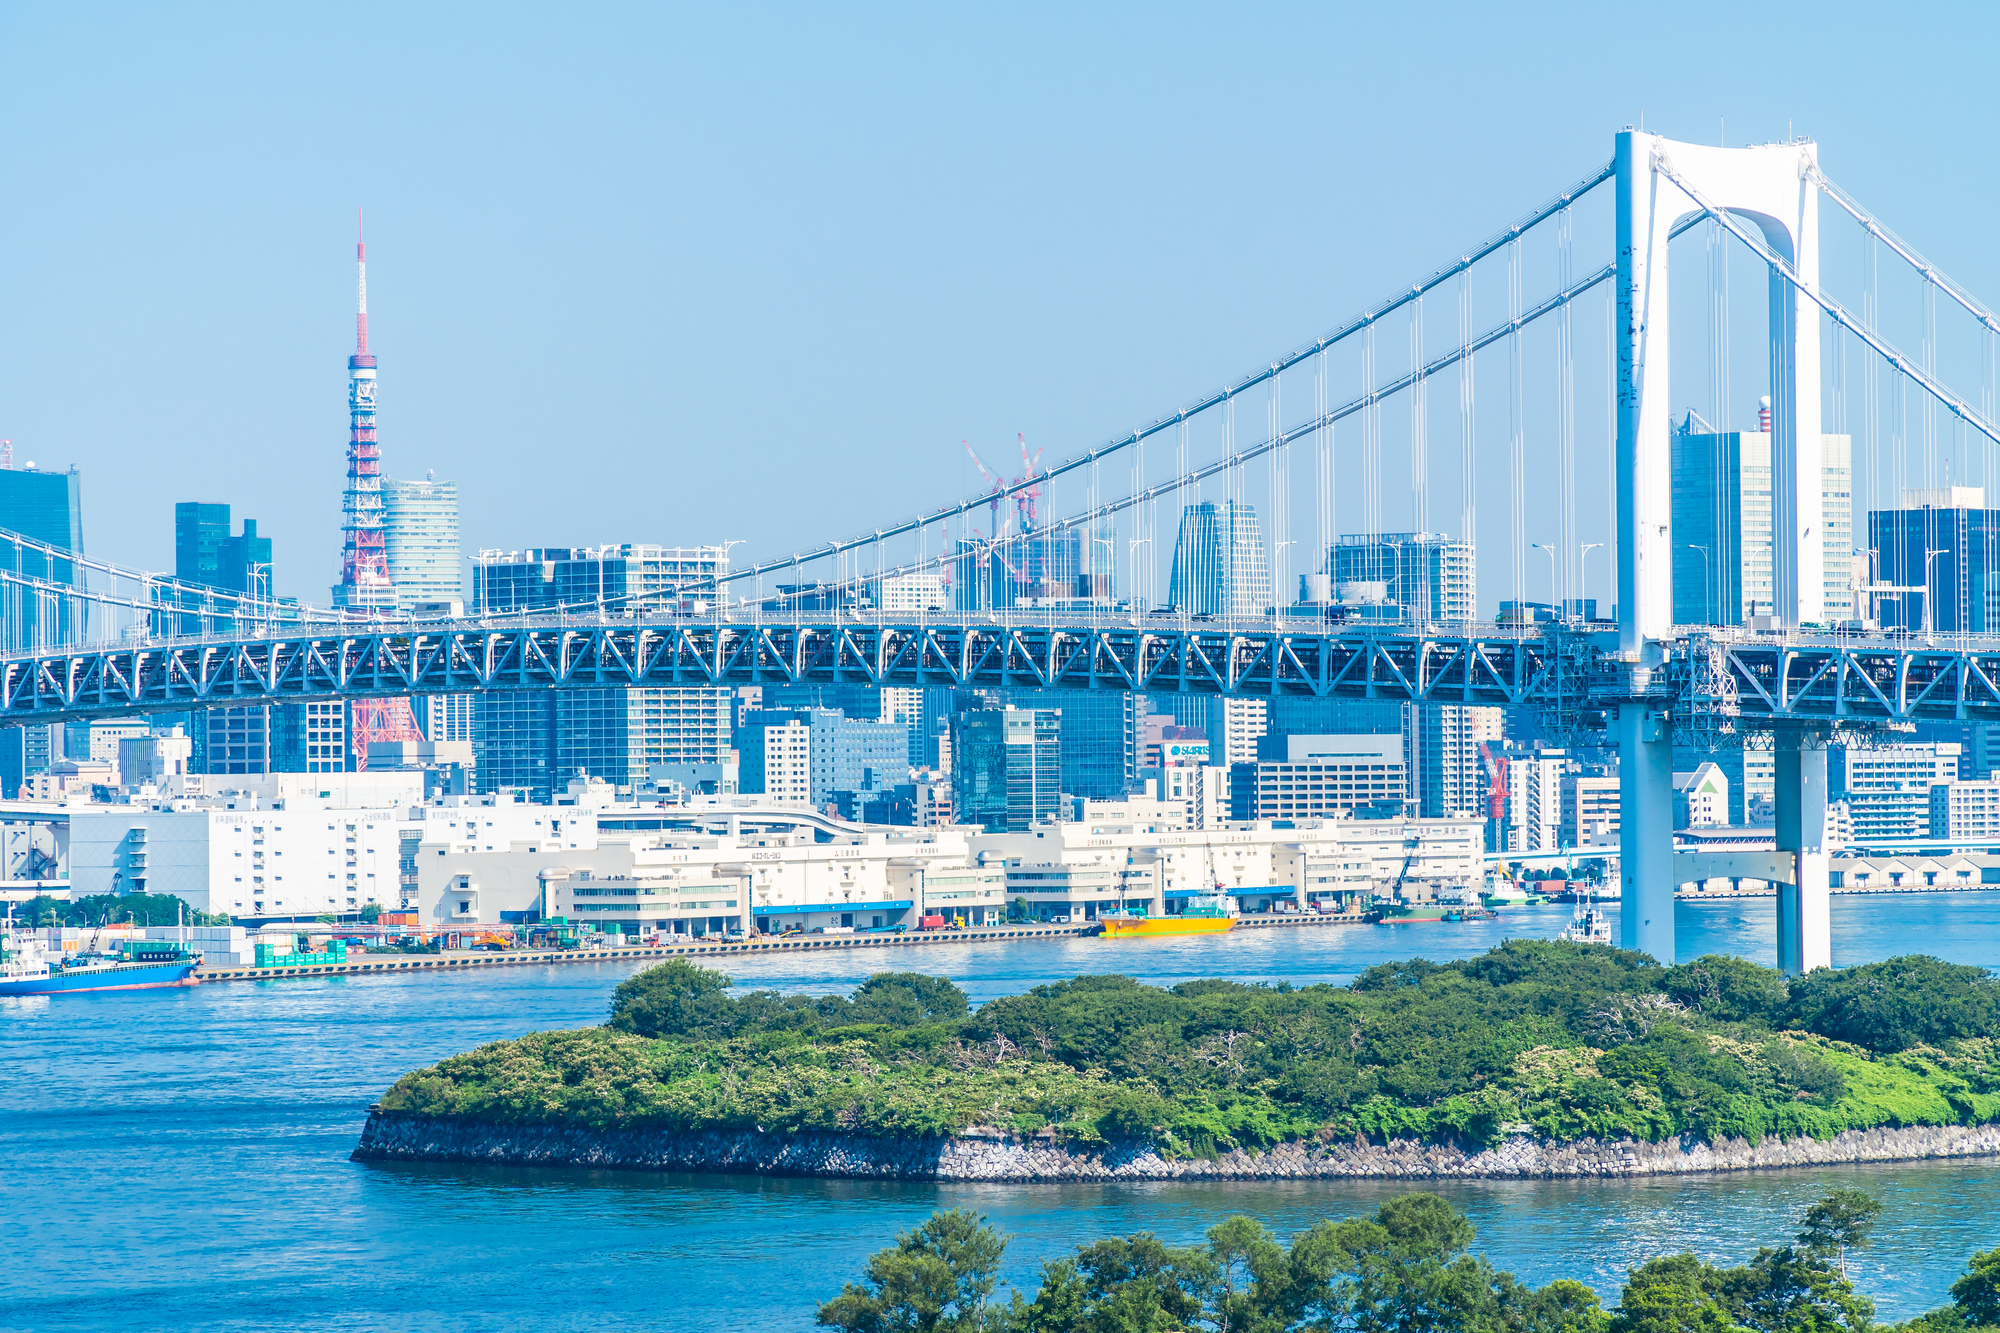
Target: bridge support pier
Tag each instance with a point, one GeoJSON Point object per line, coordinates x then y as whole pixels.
{"type": "Point", "coordinates": [1805, 937]}
{"type": "Point", "coordinates": [1645, 831]}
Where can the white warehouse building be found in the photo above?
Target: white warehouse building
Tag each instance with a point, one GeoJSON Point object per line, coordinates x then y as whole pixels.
{"type": "Point", "coordinates": [1136, 854]}
{"type": "Point", "coordinates": [294, 845]}
{"type": "Point", "coordinates": [685, 878]}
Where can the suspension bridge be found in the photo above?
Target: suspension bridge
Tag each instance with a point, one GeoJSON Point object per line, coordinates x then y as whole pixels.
{"type": "Point", "coordinates": [1784, 645]}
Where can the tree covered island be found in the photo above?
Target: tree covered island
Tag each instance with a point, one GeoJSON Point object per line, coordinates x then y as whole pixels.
{"type": "Point", "coordinates": [1561, 1042]}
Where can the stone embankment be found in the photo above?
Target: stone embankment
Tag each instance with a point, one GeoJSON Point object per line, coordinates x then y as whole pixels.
{"type": "Point", "coordinates": [982, 1154]}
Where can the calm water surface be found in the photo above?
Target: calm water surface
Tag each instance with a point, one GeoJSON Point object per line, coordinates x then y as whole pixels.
{"type": "Point", "coordinates": [178, 1159]}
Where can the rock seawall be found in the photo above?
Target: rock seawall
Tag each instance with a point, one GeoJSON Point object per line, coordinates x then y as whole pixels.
{"type": "Point", "coordinates": [991, 1155]}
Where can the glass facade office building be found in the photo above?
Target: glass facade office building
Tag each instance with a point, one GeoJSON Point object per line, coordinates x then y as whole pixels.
{"type": "Point", "coordinates": [539, 740]}
{"type": "Point", "coordinates": [1722, 519]}
{"type": "Point", "coordinates": [1103, 736]}
{"type": "Point", "coordinates": [619, 578]}
{"type": "Point", "coordinates": [1032, 567]}
{"type": "Point", "coordinates": [1424, 575]}
{"type": "Point", "coordinates": [420, 541]}
{"type": "Point", "coordinates": [1006, 767]}
{"type": "Point", "coordinates": [1220, 565]}
{"type": "Point", "coordinates": [46, 507]}
{"type": "Point", "coordinates": [1947, 543]}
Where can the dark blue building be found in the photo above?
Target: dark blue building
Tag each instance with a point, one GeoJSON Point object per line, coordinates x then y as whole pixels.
{"type": "Point", "coordinates": [1950, 550]}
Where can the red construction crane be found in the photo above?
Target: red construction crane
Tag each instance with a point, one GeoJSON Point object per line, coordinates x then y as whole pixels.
{"type": "Point", "coordinates": [1025, 500]}
{"type": "Point", "coordinates": [993, 481]}
{"type": "Point", "coordinates": [1496, 781]}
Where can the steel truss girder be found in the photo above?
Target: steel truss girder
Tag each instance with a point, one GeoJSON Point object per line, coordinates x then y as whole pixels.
{"type": "Point", "coordinates": [1856, 683]}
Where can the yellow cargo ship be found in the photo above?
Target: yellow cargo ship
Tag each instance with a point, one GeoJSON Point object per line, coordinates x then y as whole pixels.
{"type": "Point", "coordinates": [1202, 916]}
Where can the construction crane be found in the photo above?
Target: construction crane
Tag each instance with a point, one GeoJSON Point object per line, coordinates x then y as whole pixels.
{"type": "Point", "coordinates": [994, 482]}
{"type": "Point", "coordinates": [1025, 500]}
{"type": "Point", "coordinates": [1495, 785]}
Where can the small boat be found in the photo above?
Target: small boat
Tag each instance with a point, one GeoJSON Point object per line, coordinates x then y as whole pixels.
{"type": "Point", "coordinates": [1204, 914]}
{"type": "Point", "coordinates": [1590, 925]}
{"type": "Point", "coordinates": [1407, 914]}
{"type": "Point", "coordinates": [27, 968]}
{"type": "Point", "coordinates": [1502, 892]}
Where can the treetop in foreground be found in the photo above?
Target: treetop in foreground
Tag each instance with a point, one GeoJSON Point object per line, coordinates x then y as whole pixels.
{"type": "Point", "coordinates": [1407, 1268]}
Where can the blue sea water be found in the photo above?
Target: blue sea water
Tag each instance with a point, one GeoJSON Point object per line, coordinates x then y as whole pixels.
{"type": "Point", "coordinates": [178, 1159]}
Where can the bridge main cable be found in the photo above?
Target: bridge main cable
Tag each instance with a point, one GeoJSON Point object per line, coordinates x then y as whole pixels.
{"type": "Point", "coordinates": [1367, 319]}
{"type": "Point", "coordinates": [1444, 361]}
{"type": "Point", "coordinates": [1883, 348]}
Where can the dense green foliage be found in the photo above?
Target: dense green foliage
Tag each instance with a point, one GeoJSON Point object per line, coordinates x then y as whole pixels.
{"type": "Point", "coordinates": [1406, 1269]}
{"type": "Point", "coordinates": [98, 909]}
{"type": "Point", "coordinates": [680, 999]}
{"type": "Point", "coordinates": [1560, 1040]}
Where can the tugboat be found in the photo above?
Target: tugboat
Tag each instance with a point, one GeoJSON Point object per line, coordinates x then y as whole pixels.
{"type": "Point", "coordinates": [1589, 924]}
{"type": "Point", "coordinates": [1502, 891]}
{"type": "Point", "coordinates": [1204, 914]}
{"type": "Point", "coordinates": [26, 967]}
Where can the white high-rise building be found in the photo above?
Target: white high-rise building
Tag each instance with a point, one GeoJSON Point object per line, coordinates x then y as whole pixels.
{"type": "Point", "coordinates": [420, 538]}
{"type": "Point", "coordinates": [1233, 725]}
{"type": "Point", "coordinates": [1220, 565]}
{"type": "Point", "coordinates": [785, 766]}
{"type": "Point", "coordinates": [911, 594]}
{"type": "Point", "coordinates": [447, 717]}
{"type": "Point", "coordinates": [1451, 778]}
{"type": "Point", "coordinates": [1534, 800]}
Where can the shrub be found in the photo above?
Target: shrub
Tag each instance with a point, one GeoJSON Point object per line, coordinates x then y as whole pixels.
{"type": "Point", "coordinates": [1732, 990]}
{"type": "Point", "coordinates": [1897, 1004]}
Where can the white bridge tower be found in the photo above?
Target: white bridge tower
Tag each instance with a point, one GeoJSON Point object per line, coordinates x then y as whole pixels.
{"type": "Point", "coordinates": [1773, 188]}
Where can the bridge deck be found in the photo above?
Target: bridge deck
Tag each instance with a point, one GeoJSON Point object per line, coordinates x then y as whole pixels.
{"type": "Point", "coordinates": [1736, 677]}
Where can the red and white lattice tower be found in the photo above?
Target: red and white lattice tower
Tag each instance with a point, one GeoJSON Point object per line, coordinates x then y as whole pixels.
{"type": "Point", "coordinates": [364, 563]}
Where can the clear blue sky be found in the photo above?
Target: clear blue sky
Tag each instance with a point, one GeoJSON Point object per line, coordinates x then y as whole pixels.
{"type": "Point", "coordinates": [686, 275]}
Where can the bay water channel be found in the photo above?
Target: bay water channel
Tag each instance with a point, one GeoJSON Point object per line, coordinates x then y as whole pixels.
{"type": "Point", "coordinates": [178, 1159]}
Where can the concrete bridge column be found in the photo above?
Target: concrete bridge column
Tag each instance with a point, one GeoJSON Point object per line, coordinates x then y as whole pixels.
{"type": "Point", "coordinates": [1805, 937]}
{"type": "Point", "coordinates": [1645, 832]}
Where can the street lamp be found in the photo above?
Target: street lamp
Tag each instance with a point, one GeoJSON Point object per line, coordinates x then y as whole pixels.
{"type": "Point", "coordinates": [1582, 571]}
{"type": "Point", "coordinates": [1552, 576]}
{"type": "Point", "coordinates": [1929, 555]}
{"type": "Point", "coordinates": [1707, 608]}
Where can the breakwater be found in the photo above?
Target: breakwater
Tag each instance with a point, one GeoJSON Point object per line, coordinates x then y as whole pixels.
{"type": "Point", "coordinates": [360, 964]}
{"type": "Point", "coordinates": [404, 965]}
{"type": "Point", "coordinates": [993, 1155]}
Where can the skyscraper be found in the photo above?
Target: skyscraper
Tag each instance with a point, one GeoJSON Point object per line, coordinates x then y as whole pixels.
{"type": "Point", "coordinates": [540, 740]}
{"type": "Point", "coordinates": [249, 738]}
{"type": "Point", "coordinates": [1424, 575]}
{"type": "Point", "coordinates": [1220, 565]}
{"type": "Point", "coordinates": [246, 561]}
{"type": "Point", "coordinates": [47, 507]}
{"type": "Point", "coordinates": [420, 541]}
{"type": "Point", "coordinates": [1721, 518]}
{"type": "Point", "coordinates": [1947, 542]}
{"type": "Point", "coordinates": [1451, 778]}
{"type": "Point", "coordinates": [199, 532]}
{"type": "Point", "coordinates": [1103, 736]}
{"type": "Point", "coordinates": [623, 578]}
{"type": "Point", "coordinates": [206, 553]}
{"type": "Point", "coordinates": [1006, 767]}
